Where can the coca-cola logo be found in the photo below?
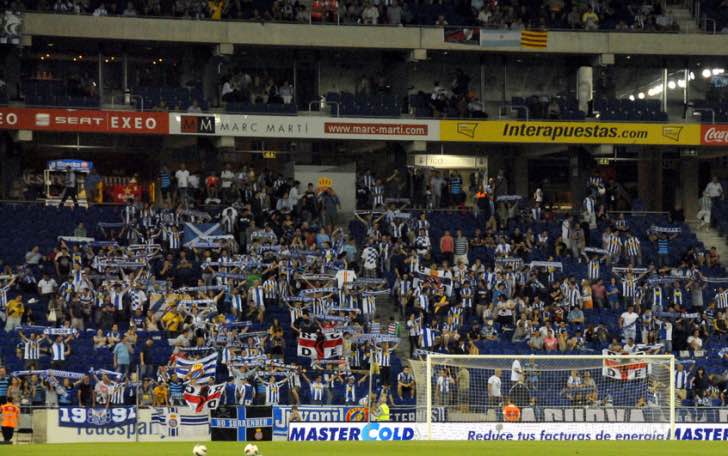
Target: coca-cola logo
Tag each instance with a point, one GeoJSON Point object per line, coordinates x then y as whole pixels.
{"type": "Point", "coordinates": [716, 135]}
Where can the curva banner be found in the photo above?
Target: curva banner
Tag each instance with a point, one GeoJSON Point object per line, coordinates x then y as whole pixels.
{"type": "Point", "coordinates": [84, 121]}
{"type": "Point", "coordinates": [304, 127]}
{"type": "Point", "coordinates": [521, 131]}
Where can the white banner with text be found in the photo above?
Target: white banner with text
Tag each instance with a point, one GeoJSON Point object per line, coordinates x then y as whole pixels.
{"type": "Point", "coordinates": [303, 127]}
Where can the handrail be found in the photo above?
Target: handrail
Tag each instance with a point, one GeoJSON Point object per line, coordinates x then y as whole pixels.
{"type": "Point", "coordinates": [704, 24]}
{"type": "Point", "coordinates": [124, 101]}
{"type": "Point", "coordinates": [639, 212]}
{"type": "Point", "coordinates": [513, 108]}
{"type": "Point", "coordinates": [322, 103]}
{"type": "Point", "coordinates": [700, 111]}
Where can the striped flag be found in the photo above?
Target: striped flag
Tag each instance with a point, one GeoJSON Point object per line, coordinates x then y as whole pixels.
{"type": "Point", "coordinates": [171, 422]}
{"type": "Point", "coordinates": [499, 38]}
{"type": "Point", "coordinates": [534, 39]}
{"type": "Point", "coordinates": [197, 371]}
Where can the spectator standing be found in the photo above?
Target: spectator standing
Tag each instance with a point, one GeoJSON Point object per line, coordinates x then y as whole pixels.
{"type": "Point", "coordinates": [182, 176]}
{"type": "Point", "coordinates": [4, 385]}
{"type": "Point", "coordinates": [85, 392]}
{"type": "Point", "coordinates": [461, 249]}
{"type": "Point", "coordinates": [122, 356]}
{"type": "Point", "coordinates": [165, 183]}
{"type": "Point", "coordinates": [447, 246]}
{"type": "Point", "coordinates": [714, 190]}
{"type": "Point", "coordinates": [69, 188]}
{"type": "Point", "coordinates": [10, 414]}
{"type": "Point", "coordinates": [330, 206]}
{"type": "Point", "coordinates": [590, 19]}
{"type": "Point", "coordinates": [14, 313]}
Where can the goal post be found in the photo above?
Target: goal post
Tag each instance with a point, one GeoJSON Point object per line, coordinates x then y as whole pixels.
{"type": "Point", "coordinates": [546, 397]}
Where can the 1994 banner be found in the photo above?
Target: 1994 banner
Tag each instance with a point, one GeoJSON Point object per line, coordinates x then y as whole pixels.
{"type": "Point", "coordinates": [82, 417]}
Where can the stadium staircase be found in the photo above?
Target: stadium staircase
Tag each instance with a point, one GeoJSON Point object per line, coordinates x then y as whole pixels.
{"type": "Point", "coordinates": [684, 18]}
{"type": "Point", "coordinates": [710, 237]}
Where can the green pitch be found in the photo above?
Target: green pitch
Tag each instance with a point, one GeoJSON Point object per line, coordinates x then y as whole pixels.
{"type": "Point", "coordinates": [379, 449]}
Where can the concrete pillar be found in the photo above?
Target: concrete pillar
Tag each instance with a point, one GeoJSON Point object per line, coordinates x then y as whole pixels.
{"type": "Point", "coordinates": [520, 175]}
{"type": "Point", "coordinates": [101, 77]}
{"type": "Point", "coordinates": [576, 180]}
{"type": "Point", "coordinates": [584, 87]}
{"type": "Point", "coordinates": [649, 179]}
{"type": "Point", "coordinates": [689, 186]}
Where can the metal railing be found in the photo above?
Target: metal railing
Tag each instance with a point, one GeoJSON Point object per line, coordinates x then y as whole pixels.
{"type": "Point", "coordinates": [127, 101]}
{"type": "Point", "coordinates": [513, 109]}
{"type": "Point", "coordinates": [705, 23]}
{"type": "Point", "coordinates": [323, 105]}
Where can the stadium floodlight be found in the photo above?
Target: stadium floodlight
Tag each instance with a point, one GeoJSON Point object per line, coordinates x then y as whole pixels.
{"type": "Point", "coordinates": [717, 71]}
{"type": "Point", "coordinates": [641, 95]}
{"type": "Point", "coordinates": [706, 73]}
{"type": "Point", "coordinates": [671, 85]}
{"type": "Point", "coordinates": [555, 396]}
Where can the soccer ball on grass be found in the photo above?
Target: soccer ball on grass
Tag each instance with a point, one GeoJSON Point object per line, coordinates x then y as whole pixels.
{"type": "Point", "coordinates": [251, 450]}
{"type": "Point", "coordinates": [199, 450]}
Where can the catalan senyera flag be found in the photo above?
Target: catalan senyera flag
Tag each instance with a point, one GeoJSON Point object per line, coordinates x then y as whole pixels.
{"type": "Point", "coordinates": [538, 39]}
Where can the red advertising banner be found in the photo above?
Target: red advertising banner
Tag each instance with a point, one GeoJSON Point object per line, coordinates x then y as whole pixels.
{"type": "Point", "coordinates": [714, 135]}
{"type": "Point", "coordinates": [84, 121]}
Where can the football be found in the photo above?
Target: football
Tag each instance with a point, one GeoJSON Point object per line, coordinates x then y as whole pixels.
{"type": "Point", "coordinates": [251, 450]}
{"type": "Point", "coordinates": [199, 450]}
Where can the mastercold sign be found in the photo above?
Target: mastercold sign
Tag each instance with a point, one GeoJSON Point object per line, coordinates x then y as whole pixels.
{"type": "Point", "coordinates": [353, 431]}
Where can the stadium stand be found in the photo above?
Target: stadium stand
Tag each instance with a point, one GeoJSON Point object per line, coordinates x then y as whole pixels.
{"type": "Point", "coordinates": [555, 14]}
{"type": "Point", "coordinates": [141, 282]}
{"type": "Point", "coordinates": [197, 252]}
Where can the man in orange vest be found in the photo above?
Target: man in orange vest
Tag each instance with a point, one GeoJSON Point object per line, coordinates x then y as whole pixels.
{"type": "Point", "coordinates": [511, 412]}
{"type": "Point", "coordinates": [10, 414]}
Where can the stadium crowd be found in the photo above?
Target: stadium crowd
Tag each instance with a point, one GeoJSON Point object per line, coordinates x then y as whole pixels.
{"type": "Point", "coordinates": [283, 275]}
{"type": "Point", "coordinates": [644, 15]}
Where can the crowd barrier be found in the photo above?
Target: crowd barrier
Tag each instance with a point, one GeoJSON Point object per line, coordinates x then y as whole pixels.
{"type": "Point", "coordinates": [333, 423]}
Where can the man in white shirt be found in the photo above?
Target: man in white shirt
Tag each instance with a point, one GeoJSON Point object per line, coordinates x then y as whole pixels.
{"type": "Point", "coordinates": [516, 372]}
{"type": "Point", "coordinates": [370, 260]}
{"type": "Point", "coordinates": [227, 176]}
{"type": "Point", "coordinates": [495, 398]}
{"type": "Point", "coordinates": [182, 176]}
{"type": "Point", "coordinates": [47, 285]}
{"type": "Point", "coordinates": [293, 195]}
{"type": "Point", "coordinates": [628, 323]}
{"type": "Point", "coordinates": [714, 190]}
{"type": "Point", "coordinates": [101, 11]}
{"type": "Point", "coordinates": [194, 184]}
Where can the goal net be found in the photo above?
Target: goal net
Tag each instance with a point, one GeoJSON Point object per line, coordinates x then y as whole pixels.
{"type": "Point", "coordinates": [529, 397]}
